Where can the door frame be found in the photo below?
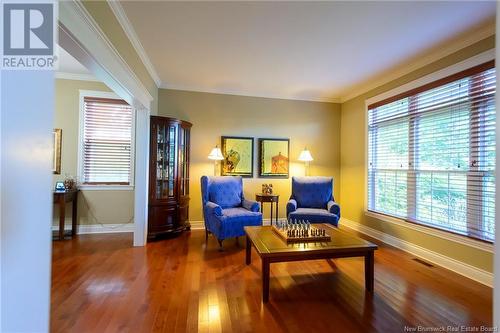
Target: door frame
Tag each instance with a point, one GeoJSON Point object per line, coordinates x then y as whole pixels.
{"type": "Point", "coordinates": [82, 37]}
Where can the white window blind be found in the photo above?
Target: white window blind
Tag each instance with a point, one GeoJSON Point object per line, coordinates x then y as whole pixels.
{"type": "Point", "coordinates": [107, 139]}
{"type": "Point", "coordinates": [431, 154]}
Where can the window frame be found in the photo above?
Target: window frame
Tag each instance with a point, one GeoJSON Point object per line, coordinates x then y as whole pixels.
{"type": "Point", "coordinates": [81, 127]}
{"type": "Point", "coordinates": [410, 88]}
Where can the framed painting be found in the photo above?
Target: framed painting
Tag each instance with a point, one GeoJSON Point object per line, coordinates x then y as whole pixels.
{"type": "Point", "coordinates": [274, 158]}
{"type": "Point", "coordinates": [56, 151]}
{"type": "Point", "coordinates": [238, 156]}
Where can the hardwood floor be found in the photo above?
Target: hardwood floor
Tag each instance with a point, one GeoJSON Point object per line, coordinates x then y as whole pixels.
{"type": "Point", "coordinates": [100, 283]}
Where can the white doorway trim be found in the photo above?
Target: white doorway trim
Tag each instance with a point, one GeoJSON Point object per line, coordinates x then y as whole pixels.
{"type": "Point", "coordinates": [82, 37]}
{"type": "Point", "coordinates": [496, 257]}
{"type": "Point", "coordinates": [80, 34]}
{"type": "Point", "coordinates": [141, 177]}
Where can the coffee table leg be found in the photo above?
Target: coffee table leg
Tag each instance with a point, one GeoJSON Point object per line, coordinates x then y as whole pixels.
{"type": "Point", "coordinates": [265, 280]}
{"type": "Point", "coordinates": [248, 258]}
{"type": "Point", "coordinates": [369, 271]}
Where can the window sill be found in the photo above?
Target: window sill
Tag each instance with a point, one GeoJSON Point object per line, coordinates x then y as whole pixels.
{"type": "Point", "coordinates": [483, 246]}
{"type": "Point", "coordinates": [106, 187]}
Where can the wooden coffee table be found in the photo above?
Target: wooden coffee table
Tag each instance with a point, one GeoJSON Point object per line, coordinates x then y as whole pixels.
{"type": "Point", "coordinates": [271, 248]}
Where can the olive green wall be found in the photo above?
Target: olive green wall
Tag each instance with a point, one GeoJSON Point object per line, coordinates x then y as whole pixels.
{"type": "Point", "coordinates": [312, 124]}
{"type": "Point", "coordinates": [94, 207]}
{"type": "Point", "coordinates": [335, 134]}
{"type": "Point", "coordinates": [353, 165]}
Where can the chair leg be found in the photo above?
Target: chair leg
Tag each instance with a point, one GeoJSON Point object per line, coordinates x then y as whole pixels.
{"type": "Point", "coordinates": [206, 236]}
{"type": "Point", "coordinates": [220, 245]}
{"type": "Point", "coordinates": [237, 241]}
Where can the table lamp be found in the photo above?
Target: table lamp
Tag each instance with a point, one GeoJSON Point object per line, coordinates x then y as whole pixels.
{"type": "Point", "coordinates": [305, 156]}
{"type": "Point", "coordinates": [215, 155]}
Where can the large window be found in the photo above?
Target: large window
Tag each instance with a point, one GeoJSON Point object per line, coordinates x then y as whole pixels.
{"type": "Point", "coordinates": [431, 154]}
{"type": "Point", "coordinates": [105, 140]}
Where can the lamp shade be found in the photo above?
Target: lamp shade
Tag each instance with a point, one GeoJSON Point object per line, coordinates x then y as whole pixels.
{"type": "Point", "coordinates": [216, 154]}
{"type": "Point", "coordinates": [305, 156]}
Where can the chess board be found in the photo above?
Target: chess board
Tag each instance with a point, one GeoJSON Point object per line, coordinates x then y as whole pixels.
{"type": "Point", "coordinates": [311, 237]}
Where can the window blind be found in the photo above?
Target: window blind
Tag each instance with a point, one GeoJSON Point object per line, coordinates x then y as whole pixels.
{"type": "Point", "coordinates": [107, 139]}
{"type": "Point", "coordinates": [431, 154]}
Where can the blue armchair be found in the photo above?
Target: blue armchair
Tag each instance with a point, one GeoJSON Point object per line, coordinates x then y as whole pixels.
{"type": "Point", "coordinates": [312, 200]}
{"type": "Point", "coordinates": [225, 210]}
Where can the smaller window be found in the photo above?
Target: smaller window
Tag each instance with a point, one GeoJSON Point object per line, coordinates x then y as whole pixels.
{"type": "Point", "coordinates": [105, 139]}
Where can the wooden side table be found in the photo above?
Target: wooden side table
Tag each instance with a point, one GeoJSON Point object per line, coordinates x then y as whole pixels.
{"type": "Point", "coordinates": [271, 198]}
{"type": "Point", "coordinates": [61, 198]}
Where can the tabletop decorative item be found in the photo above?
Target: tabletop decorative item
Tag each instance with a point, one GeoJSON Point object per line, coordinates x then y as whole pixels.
{"type": "Point", "coordinates": [267, 189]}
{"type": "Point", "coordinates": [69, 183]}
{"type": "Point", "coordinates": [293, 231]}
{"type": "Point", "coordinates": [60, 187]}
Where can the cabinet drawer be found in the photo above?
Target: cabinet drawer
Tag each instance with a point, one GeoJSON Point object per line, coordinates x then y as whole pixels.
{"type": "Point", "coordinates": [162, 218]}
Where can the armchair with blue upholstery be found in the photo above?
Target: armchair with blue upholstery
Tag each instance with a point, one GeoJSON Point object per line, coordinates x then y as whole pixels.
{"type": "Point", "coordinates": [312, 200]}
{"type": "Point", "coordinates": [225, 209]}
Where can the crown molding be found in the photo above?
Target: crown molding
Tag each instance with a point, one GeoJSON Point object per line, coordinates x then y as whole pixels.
{"type": "Point", "coordinates": [126, 25]}
{"type": "Point", "coordinates": [442, 52]}
{"type": "Point", "coordinates": [476, 60]}
{"type": "Point", "coordinates": [77, 24]}
{"type": "Point", "coordinates": [357, 90]}
{"type": "Point", "coordinates": [228, 92]}
{"type": "Point", "coordinates": [76, 76]}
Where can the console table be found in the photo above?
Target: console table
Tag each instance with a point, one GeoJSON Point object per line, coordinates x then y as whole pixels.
{"type": "Point", "coordinates": [61, 198]}
{"type": "Point", "coordinates": [271, 198]}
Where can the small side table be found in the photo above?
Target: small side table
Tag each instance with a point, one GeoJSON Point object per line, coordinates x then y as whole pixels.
{"type": "Point", "coordinates": [271, 198]}
{"type": "Point", "coordinates": [61, 198]}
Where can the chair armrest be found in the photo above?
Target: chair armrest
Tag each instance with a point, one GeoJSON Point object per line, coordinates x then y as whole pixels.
{"type": "Point", "coordinates": [333, 208]}
{"type": "Point", "coordinates": [213, 208]}
{"type": "Point", "coordinates": [250, 205]}
{"type": "Point", "coordinates": [291, 206]}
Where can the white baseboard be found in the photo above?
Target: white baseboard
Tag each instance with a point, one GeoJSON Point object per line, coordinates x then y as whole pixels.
{"type": "Point", "coordinates": [99, 228]}
{"type": "Point", "coordinates": [200, 225]}
{"type": "Point", "coordinates": [267, 221]}
{"type": "Point", "coordinates": [197, 225]}
{"type": "Point", "coordinates": [454, 265]}
{"type": "Point", "coordinates": [107, 228]}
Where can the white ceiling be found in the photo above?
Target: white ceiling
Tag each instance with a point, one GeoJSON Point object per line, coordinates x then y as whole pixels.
{"type": "Point", "coordinates": [297, 50]}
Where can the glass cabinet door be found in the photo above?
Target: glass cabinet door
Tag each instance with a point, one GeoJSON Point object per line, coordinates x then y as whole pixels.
{"type": "Point", "coordinates": [165, 160]}
{"type": "Point", "coordinates": [184, 161]}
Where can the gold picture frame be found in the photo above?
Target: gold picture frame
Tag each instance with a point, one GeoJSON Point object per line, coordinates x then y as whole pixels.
{"type": "Point", "coordinates": [56, 151]}
{"type": "Point", "coordinates": [238, 156]}
{"type": "Point", "coordinates": [274, 158]}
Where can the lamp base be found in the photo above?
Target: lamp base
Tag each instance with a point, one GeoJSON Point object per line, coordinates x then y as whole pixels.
{"type": "Point", "coordinates": [306, 169]}
{"type": "Point", "coordinates": [216, 168]}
